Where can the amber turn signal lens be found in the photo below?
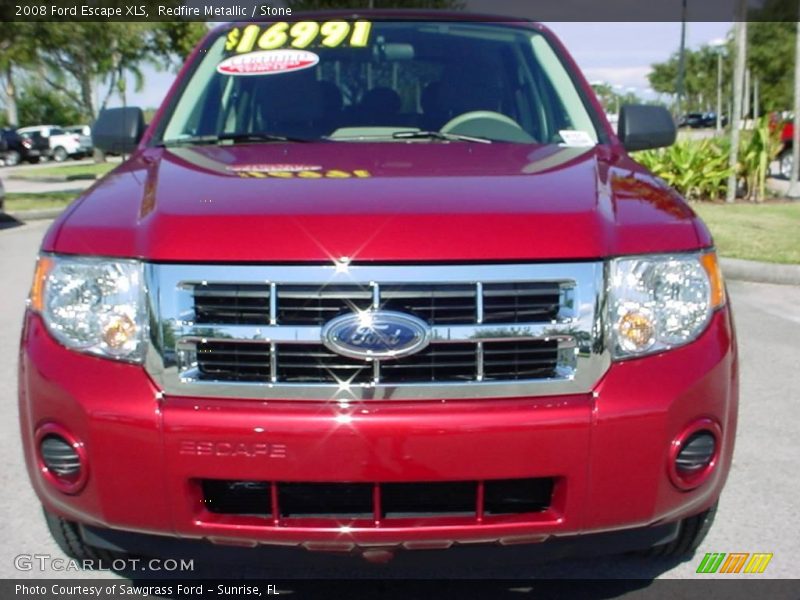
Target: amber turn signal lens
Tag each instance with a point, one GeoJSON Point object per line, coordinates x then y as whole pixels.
{"type": "Point", "coordinates": [711, 265]}
{"type": "Point", "coordinates": [636, 331]}
{"type": "Point", "coordinates": [43, 268]}
{"type": "Point", "coordinates": [119, 332]}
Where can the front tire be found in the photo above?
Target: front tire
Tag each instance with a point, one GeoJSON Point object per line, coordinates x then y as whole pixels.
{"type": "Point", "coordinates": [12, 158]}
{"type": "Point", "coordinates": [60, 154]}
{"type": "Point", "coordinates": [691, 533]}
{"type": "Point", "coordinates": [68, 537]}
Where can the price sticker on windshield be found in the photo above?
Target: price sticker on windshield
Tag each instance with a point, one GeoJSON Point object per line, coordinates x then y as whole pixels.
{"type": "Point", "coordinates": [300, 35]}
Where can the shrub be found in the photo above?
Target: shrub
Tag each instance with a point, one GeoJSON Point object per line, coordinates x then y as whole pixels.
{"type": "Point", "coordinates": [698, 169]}
{"type": "Point", "coordinates": [758, 148]}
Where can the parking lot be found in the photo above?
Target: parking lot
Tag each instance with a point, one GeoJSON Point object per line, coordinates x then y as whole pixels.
{"type": "Point", "coordinates": [757, 511]}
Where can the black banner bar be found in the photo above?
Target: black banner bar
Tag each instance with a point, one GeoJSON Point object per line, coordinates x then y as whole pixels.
{"type": "Point", "coordinates": [355, 589]}
{"type": "Point", "coordinates": [539, 10]}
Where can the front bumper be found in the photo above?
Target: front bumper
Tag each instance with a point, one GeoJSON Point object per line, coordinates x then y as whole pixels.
{"type": "Point", "coordinates": [607, 452]}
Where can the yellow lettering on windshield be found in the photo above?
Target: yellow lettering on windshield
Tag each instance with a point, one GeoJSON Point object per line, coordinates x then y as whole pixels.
{"type": "Point", "coordinates": [304, 174]}
{"type": "Point", "coordinates": [303, 34]}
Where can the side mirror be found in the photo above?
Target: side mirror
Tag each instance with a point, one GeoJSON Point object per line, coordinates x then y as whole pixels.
{"type": "Point", "coordinates": [118, 130]}
{"type": "Point", "coordinates": [643, 127]}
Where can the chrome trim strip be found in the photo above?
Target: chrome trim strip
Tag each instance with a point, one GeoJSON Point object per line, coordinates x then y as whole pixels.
{"type": "Point", "coordinates": [479, 303]}
{"type": "Point", "coordinates": [273, 363]}
{"type": "Point", "coordinates": [376, 295]}
{"type": "Point", "coordinates": [305, 334]}
{"type": "Point", "coordinates": [273, 304]}
{"type": "Point", "coordinates": [479, 361]}
{"type": "Point", "coordinates": [579, 329]}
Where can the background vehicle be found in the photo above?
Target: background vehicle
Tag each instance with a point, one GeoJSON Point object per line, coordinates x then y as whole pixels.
{"type": "Point", "coordinates": [2, 195]}
{"type": "Point", "coordinates": [16, 147]}
{"type": "Point", "coordinates": [84, 133]}
{"type": "Point", "coordinates": [693, 120]}
{"type": "Point", "coordinates": [785, 156]}
{"type": "Point", "coordinates": [63, 145]}
{"type": "Point", "coordinates": [701, 120]}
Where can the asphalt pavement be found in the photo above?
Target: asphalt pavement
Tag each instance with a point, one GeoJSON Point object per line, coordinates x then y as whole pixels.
{"type": "Point", "coordinates": [758, 510]}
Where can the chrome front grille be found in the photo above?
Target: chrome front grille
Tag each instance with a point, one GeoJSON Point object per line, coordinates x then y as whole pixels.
{"type": "Point", "coordinates": [314, 363]}
{"type": "Point", "coordinates": [437, 304]}
{"type": "Point", "coordinates": [495, 330]}
{"type": "Point", "coordinates": [232, 304]}
{"type": "Point", "coordinates": [316, 305]}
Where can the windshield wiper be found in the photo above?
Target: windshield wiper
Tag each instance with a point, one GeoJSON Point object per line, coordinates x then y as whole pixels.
{"type": "Point", "coordinates": [260, 137]}
{"type": "Point", "coordinates": [234, 138]}
{"type": "Point", "coordinates": [439, 135]}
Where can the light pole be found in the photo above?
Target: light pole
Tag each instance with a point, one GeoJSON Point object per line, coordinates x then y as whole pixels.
{"type": "Point", "coordinates": [794, 178]}
{"type": "Point", "coordinates": [681, 59]}
{"type": "Point", "coordinates": [740, 36]}
{"type": "Point", "coordinates": [718, 46]}
{"type": "Point", "coordinates": [756, 100]}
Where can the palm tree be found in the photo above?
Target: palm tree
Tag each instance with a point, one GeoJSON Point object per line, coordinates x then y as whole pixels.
{"type": "Point", "coordinates": [16, 51]}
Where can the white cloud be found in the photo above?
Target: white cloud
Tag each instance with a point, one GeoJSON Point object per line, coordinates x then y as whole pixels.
{"type": "Point", "coordinates": [624, 76]}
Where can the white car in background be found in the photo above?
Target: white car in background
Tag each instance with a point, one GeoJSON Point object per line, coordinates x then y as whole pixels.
{"type": "Point", "coordinates": [84, 133]}
{"type": "Point", "coordinates": [62, 144]}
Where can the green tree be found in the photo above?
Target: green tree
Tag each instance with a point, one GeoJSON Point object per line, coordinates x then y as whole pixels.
{"type": "Point", "coordinates": [75, 58]}
{"type": "Point", "coordinates": [39, 104]}
{"type": "Point", "coordinates": [176, 39]}
{"type": "Point", "coordinates": [16, 52]}
{"type": "Point", "coordinates": [611, 99]}
{"type": "Point", "coordinates": [89, 59]}
{"type": "Point", "coordinates": [700, 82]}
{"type": "Point", "coordinates": [770, 57]}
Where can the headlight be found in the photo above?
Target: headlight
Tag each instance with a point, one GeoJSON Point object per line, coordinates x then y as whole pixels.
{"type": "Point", "coordinates": [659, 302]}
{"type": "Point", "coordinates": [92, 305]}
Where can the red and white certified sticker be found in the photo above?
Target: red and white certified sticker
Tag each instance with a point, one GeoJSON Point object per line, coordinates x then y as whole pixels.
{"type": "Point", "coordinates": [268, 62]}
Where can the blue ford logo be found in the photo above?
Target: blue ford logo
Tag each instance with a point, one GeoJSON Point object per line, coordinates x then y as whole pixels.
{"type": "Point", "coordinates": [376, 334]}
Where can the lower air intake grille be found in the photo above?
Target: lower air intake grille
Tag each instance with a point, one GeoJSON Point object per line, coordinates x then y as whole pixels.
{"type": "Point", "coordinates": [377, 501]}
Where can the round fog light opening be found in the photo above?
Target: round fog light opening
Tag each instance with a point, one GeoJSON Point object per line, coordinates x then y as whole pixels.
{"type": "Point", "coordinates": [696, 454]}
{"type": "Point", "coordinates": [62, 459]}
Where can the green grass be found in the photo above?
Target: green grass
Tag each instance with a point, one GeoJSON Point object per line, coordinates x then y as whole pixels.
{"type": "Point", "coordinates": [65, 171]}
{"type": "Point", "coordinates": [766, 232]}
{"type": "Point", "coordinates": [18, 202]}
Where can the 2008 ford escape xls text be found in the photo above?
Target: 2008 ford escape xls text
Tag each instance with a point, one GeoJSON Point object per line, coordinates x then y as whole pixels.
{"type": "Point", "coordinates": [379, 283]}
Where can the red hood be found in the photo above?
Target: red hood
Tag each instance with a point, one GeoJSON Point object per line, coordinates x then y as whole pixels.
{"type": "Point", "coordinates": [376, 202]}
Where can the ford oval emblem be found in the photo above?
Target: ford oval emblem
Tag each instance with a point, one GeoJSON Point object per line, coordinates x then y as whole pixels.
{"type": "Point", "coordinates": [376, 334]}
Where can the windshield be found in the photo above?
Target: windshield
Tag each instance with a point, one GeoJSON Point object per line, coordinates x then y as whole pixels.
{"type": "Point", "coordinates": [379, 81]}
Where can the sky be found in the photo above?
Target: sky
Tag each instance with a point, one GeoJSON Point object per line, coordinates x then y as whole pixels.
{"type": "Point", "coordinates": [617, 53]}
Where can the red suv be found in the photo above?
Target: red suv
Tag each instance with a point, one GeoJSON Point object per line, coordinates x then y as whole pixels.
{"type": "Point", "coordinates": [379, 281]}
